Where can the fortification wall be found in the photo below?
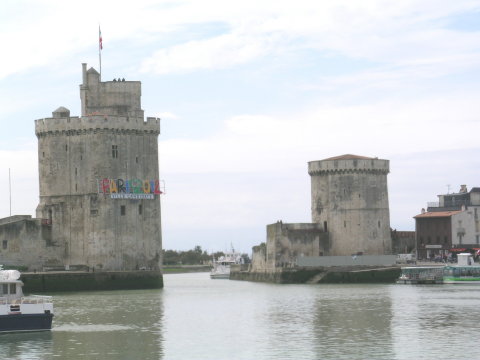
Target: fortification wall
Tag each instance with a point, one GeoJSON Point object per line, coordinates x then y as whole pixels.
{"type": "Point", "coordinates": [28, 243]}
{"type": "Point", "coordinates": [287, 241]}
{"type": "Point", "coordinates": [88, 281]}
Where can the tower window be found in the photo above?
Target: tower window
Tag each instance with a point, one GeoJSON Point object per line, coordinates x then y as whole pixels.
{"type": "Point", "coordinates": [136, 160]}
{"type": "Point", "coordinates": [66, 147]}
{"type": "Point", "coordinates": [123, 210]}
{"type": "Point", "coordinates": [4, 244]}
{"type": "Point", "coordinates": [76, 172]}
{"type": "Point", "coordinates": [140, 209]}
{"type": "Point", "coordinates": [114, 151]}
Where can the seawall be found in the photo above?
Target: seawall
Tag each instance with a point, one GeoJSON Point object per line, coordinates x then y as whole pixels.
{"type": "Point", "coordinates": [322, 275]}
{"type": "Point", "coordinates": [65, 281]}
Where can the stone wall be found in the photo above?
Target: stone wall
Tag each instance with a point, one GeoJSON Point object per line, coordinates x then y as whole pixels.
{"type": "Point", "coordinates": [88, 281]}
{"type": "Point", "coordinates": [322, 275]}
{"type": "Point", "coordinates": [287, 241]}
{"type": "Point", "coordinates": [28, 243]}
{"type": "Point", "coordinates": [259, 257]}
{"type": "Point", "coordinates": [403, 242]}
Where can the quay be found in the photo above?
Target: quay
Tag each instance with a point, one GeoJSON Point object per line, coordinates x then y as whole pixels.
{"type": "Point", "coordinates": [68, 281]}
{"type": "Point", "coordinates": [319, 275]}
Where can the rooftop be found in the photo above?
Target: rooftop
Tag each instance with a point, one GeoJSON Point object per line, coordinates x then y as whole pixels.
{"type": "Point", "coordinates": [350, 157]}
{"type": "Point", "coordinates": [437, 214]}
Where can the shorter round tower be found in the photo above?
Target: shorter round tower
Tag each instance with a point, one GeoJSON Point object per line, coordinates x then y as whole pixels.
{"type": "Point", "coordinates": [350, 199]}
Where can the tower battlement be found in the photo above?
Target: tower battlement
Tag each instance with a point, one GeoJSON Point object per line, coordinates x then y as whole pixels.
{"type": "Point", "coordinates": [117, 97]}
{"type": "Point", "coordinates": [96, 123]}
{"type": "Point", "coordinates": [349, 164]}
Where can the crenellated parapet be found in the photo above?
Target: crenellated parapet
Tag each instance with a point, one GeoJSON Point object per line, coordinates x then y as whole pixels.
{"type": "Point", "coordinates": [352, 165]}
{"type": "Point", "coordinates": [96, 124]}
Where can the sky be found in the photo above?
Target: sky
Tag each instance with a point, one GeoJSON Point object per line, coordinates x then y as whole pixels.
{"type": "Point", "coordinates": [249, 92]}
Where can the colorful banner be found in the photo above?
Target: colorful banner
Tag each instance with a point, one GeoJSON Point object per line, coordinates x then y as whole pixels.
{"type": "Point", "coordinates": [129, 189]}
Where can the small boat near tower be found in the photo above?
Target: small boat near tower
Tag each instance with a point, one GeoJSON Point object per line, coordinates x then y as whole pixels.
{"type": "Point", "coordinates": [19, 312]}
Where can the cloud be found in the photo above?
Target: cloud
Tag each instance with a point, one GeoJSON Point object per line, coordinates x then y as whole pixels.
{"type": "Point", "coordinates": [167, 115]}
{"type": "Point", "coordinates": [216, 53]}
{"type": "Point", "coordinates": [380, 31]}
{"type": "Point", "coordinates": [377, 31]}
{"type": "Point", "coordinates": [249, 143]}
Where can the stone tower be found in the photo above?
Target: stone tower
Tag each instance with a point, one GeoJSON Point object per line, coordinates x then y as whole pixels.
{"type": "Point", "coordinates": [99, 178]}
{"type": "Point", "coordinates": [350, 199]}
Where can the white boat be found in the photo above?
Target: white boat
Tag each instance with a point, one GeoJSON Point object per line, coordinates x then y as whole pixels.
{"type": "Point", "coordinates": [19, 312]}
{"type": "Point", "coordinates": [421, 275]}
{"type": "Point", "coordinates": [221, 266]}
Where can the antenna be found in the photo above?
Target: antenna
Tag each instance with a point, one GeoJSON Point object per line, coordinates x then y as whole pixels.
{"type": "Point", "coordinates": [448, 188]}
{"type": "Point", "coordinates": [10, 190]}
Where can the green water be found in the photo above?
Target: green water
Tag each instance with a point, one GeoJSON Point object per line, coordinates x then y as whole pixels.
{"type": "Point", "coordinates": [195, 317]}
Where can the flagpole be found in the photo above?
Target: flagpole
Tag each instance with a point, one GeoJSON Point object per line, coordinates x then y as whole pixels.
{"type": "Point", "coordinates": [10, 190]}
{"type": "Point", "coordinates": [100, 46]}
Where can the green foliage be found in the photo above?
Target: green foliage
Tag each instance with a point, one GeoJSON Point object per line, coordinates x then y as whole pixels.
{"type": "Point", "coordinates": [196, 256]}
{"type": "Point", "coordinates": [190, 257]}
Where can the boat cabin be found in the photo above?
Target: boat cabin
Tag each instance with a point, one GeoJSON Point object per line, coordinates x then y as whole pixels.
{"type": "Point", "coordinates": [10, 285]}
{"type": "Point", "coordinates": [465, 259]}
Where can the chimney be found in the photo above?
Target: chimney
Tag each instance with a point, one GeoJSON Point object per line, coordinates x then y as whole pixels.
{"type": "Point", "coordinates": [463, 189]}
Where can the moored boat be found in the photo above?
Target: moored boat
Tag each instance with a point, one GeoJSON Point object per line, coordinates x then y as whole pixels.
{"type": "Point", "coordinates": [465, 272]}
{"type": "Point", "coordinates": [221, 266]}
{"type": "Point", "coordinates": [19, 312]}
{"type": "Point", "coordinates": [421, 275]}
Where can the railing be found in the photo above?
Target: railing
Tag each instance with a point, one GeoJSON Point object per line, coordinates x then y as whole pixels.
{"type": "Point", "coordinates": [31, 299]}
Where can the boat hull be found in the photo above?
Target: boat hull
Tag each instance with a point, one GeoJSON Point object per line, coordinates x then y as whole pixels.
{"type": "Point", "coordinates": [419, 281]}
{"type": "Point", "coordinates": [461, 280]}
{"type": "Point", "coordinates": [26, 322]}
{"type": "Point", "coordinates": [219, 276]}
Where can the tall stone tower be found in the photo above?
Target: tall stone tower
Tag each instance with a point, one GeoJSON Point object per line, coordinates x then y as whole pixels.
{"type": "Point", "coordinates": [99, 178]}
{"type": "Point", "coordinates": [350, 200]}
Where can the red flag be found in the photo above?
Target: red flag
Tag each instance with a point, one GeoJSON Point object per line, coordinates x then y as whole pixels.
{"type": "Point", "coordinates": [100, 43]}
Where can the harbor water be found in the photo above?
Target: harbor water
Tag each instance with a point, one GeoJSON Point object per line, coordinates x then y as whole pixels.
{"type": "Point", "coordinates": [195, 317]}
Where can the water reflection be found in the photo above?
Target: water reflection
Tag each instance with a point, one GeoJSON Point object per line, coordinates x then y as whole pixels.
{"type": "Point", "coordinates": [198, 318]}
{"type": "Point", "coordinates": [433, 321]}
{"type": "Point", "coordinates": [110, 325]}
{"type": "Point", "coordinates": [353, 321]}
{"type": "Point", "coordinates": [29, 345]}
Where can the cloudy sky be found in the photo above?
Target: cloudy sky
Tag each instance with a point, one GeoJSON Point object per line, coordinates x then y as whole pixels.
{"type": "Point", "coordinates": [249, 92]}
